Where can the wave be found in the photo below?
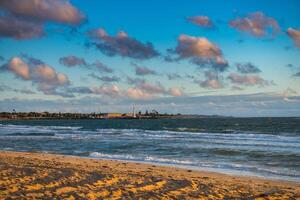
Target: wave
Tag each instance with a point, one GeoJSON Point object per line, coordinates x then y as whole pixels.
{"type": "Point", "coordinates": [139, 158]}
{"type": "Point", "coordinates": [249, 169]}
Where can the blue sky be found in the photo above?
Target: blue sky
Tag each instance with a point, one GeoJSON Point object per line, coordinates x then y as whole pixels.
{"type": "Point", "coordinates": [196, 57]}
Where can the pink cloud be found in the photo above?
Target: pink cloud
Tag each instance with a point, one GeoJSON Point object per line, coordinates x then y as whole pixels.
{"type": "Point", "coordinates": [176, 92]}
{"type": "Point", "coordinates": [201, 52]}
{"type": "Point", "coordinates": [202, 21]}
{"type": "Point", "coordinates": [294, 34]}
{"type": "Point", "coordinates": [136, 93]}
{"type": "Point", "coordinates": [107, 90]}
{"type": "Point", "coordinates": [257, 24]}
{"type": "Point", "coordinates": [45, 77]}
{"type": "Point", "coordinates": [248, 80]}
{"type": "Point", "coordinates": [60, 11]}
{"type": "Point", "coordinates": [19, 68]}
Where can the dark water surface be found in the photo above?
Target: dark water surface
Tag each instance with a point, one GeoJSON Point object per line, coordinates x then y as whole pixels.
{"type": "Point", "coordinates": [268, 147]}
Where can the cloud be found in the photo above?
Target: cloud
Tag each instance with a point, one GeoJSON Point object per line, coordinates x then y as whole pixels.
{"type": "Point", "coordinates": [297, 74]}
{"type": "Point", "coordinates": [19, 68]}
{"type": "Point", "coordinates": [136, 93]}
{"type": "Point", "coordinates": [256, 24]}
{"type": "Point", "coordinates": [288, 95]}
{"type": "Point", "coordinates": [19, 29]}
{"type": "Point", "coordinates": [237, 88]}
{"type": "Point", "coordinates": [294, 34]}
{"type": "Point", "coordinates": [202, 21]}
{"type": "Point", "coordinates": [176, 92]}
{"type": "Point", "coordinates": [107, 90]}
{"type": "Point", "coordinates": [22, 91]}
{"type": "Point", "coordinates": [45, 77]}
{"type": "Point", "coordinates": [26, 19]}
{"type": "Point", "coordinates": [147, 90]}
{"type": "Point", "coordinates": [60, 11]}
{"type": "Point", "coordinates": [143, 71]}
{"type": "Point", "coordinates": [200, 51]}
{"type": "Point", "coordinates": [174, 76]}
{"type": "Point", "coordinates": [246, 68]}
{"type": "Point", "coordinates": [121, 45]}
{"type": "Point", "coordinates": [81, 90]}
{"type": "Point", "coordinates": [109, 78]}
{"type": "Point", "coordinates": [71, 61]}
{"type": "Point", "coordinates": [150, 91]}
{"type": "Point", "coordinates": [102, 67]}
{"type": "Point", "coordinates": [290, 65]}
{"type": "Point", "coordinates": [105, 78]}
{"type": "Point", "coordinates": [213, 80]}
{"type": "Point", "coordinates": [135, 81]}
{"type": "Point", "coordinates": [248, 80]}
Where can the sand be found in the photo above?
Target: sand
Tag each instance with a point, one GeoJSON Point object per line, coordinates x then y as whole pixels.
{"type": "Point", "coordinates": [48, 176]}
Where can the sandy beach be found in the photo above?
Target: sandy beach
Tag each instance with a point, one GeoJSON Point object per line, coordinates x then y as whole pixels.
{"type": "Point", "coordinates": [48, 176]}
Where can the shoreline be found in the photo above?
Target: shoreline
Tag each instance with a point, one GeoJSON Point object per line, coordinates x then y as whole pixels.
{"type": "Point", "coordinates": [41, 175]}
{"type": "Point", "coordinates": [233, 173]}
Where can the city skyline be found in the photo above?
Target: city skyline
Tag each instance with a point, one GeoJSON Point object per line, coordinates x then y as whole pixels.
{"type": "Point", "coordinates": [193, 57]}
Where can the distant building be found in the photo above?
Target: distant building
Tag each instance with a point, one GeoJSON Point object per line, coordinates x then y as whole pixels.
{"type": "Point", "coordinates": [112, 115]}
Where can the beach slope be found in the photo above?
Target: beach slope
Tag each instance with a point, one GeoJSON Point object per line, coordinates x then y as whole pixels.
{"type": "Point", "coordinates": [47, 176]}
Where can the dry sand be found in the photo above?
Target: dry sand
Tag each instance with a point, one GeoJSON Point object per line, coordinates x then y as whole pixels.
{"type": "Point", "coordinates": [47, 176]}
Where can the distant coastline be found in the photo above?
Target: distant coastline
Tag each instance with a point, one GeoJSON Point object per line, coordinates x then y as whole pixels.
{"type": "Point", "coordinates": [114, 115]}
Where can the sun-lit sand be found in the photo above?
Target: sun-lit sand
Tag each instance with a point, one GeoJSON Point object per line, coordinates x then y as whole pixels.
{"type": "Point", "coordinates": [42, 176]}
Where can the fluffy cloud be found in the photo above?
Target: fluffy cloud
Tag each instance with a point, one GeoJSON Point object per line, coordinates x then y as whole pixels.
{"type": "Point", "coordinates": [202, 21]}
{"type": "Point", "coordinates": [19, 68]}
{"type": "Point", "coordinates": [107, 90]}
{"type": "Point", "coordinates": [136, 93]}
{"type": "Point", "coordinates": [246, 68]}
{"type": "Point", "coordinates": [213, 80]}
{"type": "Point", "coordinates": [26, 19]}
{"type": "Point", "coordinates": [45, 77]}
{"type": "Point", "coordinates": [19, 29]}
{"type": "Point", "coordinates": [122, 45]}
{"type": "Point", "coordinates": [248, 80]}
{"type": "Point", "coordinates": [176, 92]}
{"type": "Point", "coordinates": [60, 11]}
{"type": "Point", "coordinates": [257, 24]}
{"type": "Point", "coordinates": [71, 61]}
{"type": "Point", "coordinates": [200, 51]}
{"type": "Point", "coordinates": [295, 35]}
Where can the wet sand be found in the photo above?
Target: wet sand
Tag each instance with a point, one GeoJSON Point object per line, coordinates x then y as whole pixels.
{"type": "Point", "coordinates": [47, 176]}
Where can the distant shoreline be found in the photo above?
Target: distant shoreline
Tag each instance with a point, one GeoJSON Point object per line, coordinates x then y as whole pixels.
{"type": "Point", "coordinates": [40, 175]}
{"type": "Point", "coordinates": [103, 116]}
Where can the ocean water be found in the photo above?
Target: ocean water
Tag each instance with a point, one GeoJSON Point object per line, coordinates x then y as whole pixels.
{"type": "Point", "coordinates": [267, 147]}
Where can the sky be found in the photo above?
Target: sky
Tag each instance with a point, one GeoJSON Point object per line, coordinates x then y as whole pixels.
{"type": "Point", "coordinates": [233, 57]}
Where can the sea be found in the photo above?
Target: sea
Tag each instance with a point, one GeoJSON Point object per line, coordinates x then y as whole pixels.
{"type": "Point", "coordinates": [263, 147]}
